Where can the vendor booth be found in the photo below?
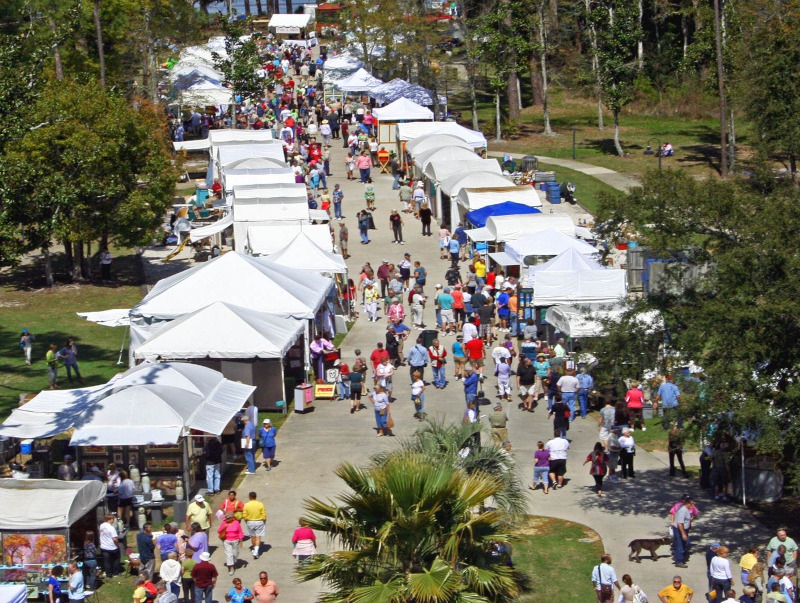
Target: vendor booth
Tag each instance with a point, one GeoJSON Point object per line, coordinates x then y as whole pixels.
{"type": "Point", "coordinates": [407, 132]}
{"type": "Point", "coordinates": [448, 190]}
{"type": "Point", "coordinates": [500, 229]}
{"type": "Point", "coordinates": [296, 26]}
{"type": "Point", "coordinates": [439, 170]}
{"type": "Point", "coordinates": [587, 320]}
{"type": "Point", "coordinates": [264, 239]}
{"type": "Point", "coordinates": [545, 244]}
{"type": "Point", "coordinates": [42, 525]}
{"type": "Point", "coordinates": [474, 198]}
{"type": "Point", "coordinates": [243, 345]}
{"type": "Point", "coordinates": [477, 218]}
{"type": "Point", "coordinates": [447, 153]}
{"type": "Point", "coordinates": [572, 278]}
{"type": "Point", "coordinates": [302, 253]}
{"type": "Point", "coordinates": [360, 81]}
{"type": "Point", "coordinates": [400, 111]}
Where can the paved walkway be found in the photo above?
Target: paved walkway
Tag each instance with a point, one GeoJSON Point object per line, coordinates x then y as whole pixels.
{"type": "Point", "coordinates": [310, 446]}
{"type": "Point", "coordinates": [614, 179]}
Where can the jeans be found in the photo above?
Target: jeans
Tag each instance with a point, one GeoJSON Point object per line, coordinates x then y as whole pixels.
{"type": "Point", "coordinates": [513, 323]}
{"type": "Point", "coordinates": [323, 179]}
{"type": "Point", "coordinates": [111, 564]}
{"type": "Point", "coordinates": [540, 475]}
{"type": "Point", "coordinates": [551, 399]}
{"type": "Point", "coordinates": [90, 571]}
{"type": "Point", "coordinates": [676, 453]}
{"type": "Point", "coordinates": [364, 174]}
{"type": "Point", "coordinates": [671, 416]}
{"type": "Point", "coordinates": [470, 397]}
{"type": "Point", "coordinates": [439, 377]}
{"type": "Point", "coordinates": [175, 589]}
{"type": "Point", "coordinates": [250, 457]}
{"type": "Point", "coordinates": [337, 210]}
{"type": "Point", "coordinates": [203, 595]}
{"type": "Point", "coordinates": [583, 400]}
{"type": "Point", "coordinates": [721, 586]}
{"type": "Point", "coordinates": [363, 233]}
{"type": "Point", "coordinates": [344, 389]}
{"type": "Point", "coordinates": [681, 546]}
{"type": "Point", "coordinates": [213, 477]}
{"type": "Point", "coordinates": [568, 398]}
{"type": "Point", "coordinates": [396, 183]}
{"type": "Point", "coordinates": [414, 369]}
{"type": "Point", "coordinates": [398, 233]}
{"type": "Point", "coordinates": [70, 368]}
{"type": "Point", "coordinates": [419, 404]}
{"type": "Point", "coordinates": [439, 317]}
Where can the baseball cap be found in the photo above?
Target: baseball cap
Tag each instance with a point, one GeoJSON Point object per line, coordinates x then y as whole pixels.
{"type": "Point", "coordinates": [267, 421]}
{"type": "Point", "coordinates": [385, 261]}
{"type": "Point", "coordinates": [199, 498]}
{"type": "Point", "coordinates": [438, 285]}
{"type": "Point", "coordinates": [714, 545]}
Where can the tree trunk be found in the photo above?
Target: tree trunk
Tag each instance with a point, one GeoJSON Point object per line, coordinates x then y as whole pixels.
{"type": "Point", "coordinates": [685, 32]}
{"type": "Point", "coordinates": [617, 146]}
{"type": "Point", "coordinates": [723, 165]}
{"type": "Point", "coordinates": [498, 132]}
{"type": "Point", "coordinates": [69, 257]}
{"type": "Point", "coordinates": [793, 169]}
{"type": "Point", "coordinates": [79, 273]}
{"type": "Point", "coordinates": [548, 131]}
{"type": "Point", "coordinates": [86, 264]}
{"type": "Point", "coordinates": [56, 52]}
{"type": "Point", "coordinates": [48, 265]}
{"type": "Point", "coordinates": [731, 143]}
{"type": "Point", "coordinates": [259, 10]}
{"type": "Point", "coordinates": [247, 7]}
{"type": "Point", "coordinates": [512, 91]}
{"type": "Point", "coordinates": [536, 79]}
{"type": "Point", "coordinates": [595, 65]}
{"type": "Point", "coordinates": [288, 6]}
{"type": "Point", "coordinates": [640, 41]}
{"type": "Point", "coordinates": [101, 55]}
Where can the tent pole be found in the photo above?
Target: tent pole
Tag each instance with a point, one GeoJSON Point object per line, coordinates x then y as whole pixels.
{"type": "Point", "coordinates": [122, 347]}
{"type": "Point", "coordinates": [186, 475]}
{"type": "Point", "coordinates": [307, 349]}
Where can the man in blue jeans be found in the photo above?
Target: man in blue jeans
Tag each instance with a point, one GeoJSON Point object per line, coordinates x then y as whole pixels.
{"type": "Point", "coordinates": [680, 533]}
{"type": "Point", "coordinates": [585, 383]}
{"type": "Point", "coordinates": [249, 444]}
{"type": "Point", "coordinates": [670, 396]}
{"type": "Point", "coordinates": [471, 380]}
{"type": "Point", "coordinates": [205, 577]}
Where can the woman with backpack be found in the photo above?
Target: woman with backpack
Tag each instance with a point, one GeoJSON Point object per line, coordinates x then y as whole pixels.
{"type": "Point", "coordinates": [599, 466]}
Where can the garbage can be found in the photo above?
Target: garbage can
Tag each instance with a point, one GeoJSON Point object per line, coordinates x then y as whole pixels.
{"type": "Point", "coordinates": [529, 163]}
{"type": "Point", "coordinates": [428, 335]}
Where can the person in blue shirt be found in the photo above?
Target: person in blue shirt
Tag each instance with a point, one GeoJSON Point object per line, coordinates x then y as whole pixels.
{"type": "Point", "coordinates": [417, 359]}
{"type": "Point", "coordinates": [266, 440]}
{"type": "Point", "coordinates": [249, 444]}
{"type": "Point", "coordinates": [585, 385]}
{"type": "Point", "coordinates": [670, 396]}
{"type": "Point", "coordinates": [460, 235]}
{"type": "Point", "coordinates": [471, 380]}
{"type": "Point", "coordinates": [338, 195]}
{"type": "Point", "coordinates": [454, 247]}
{"type": "Point", "coordinates": [166, 542]}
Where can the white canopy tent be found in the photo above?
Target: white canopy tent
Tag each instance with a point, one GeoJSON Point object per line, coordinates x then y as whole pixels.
{"type": "Point", "coordinates": [291, 190]}
{"type": "Point", "coordinates": [117, 317]}
{"type": "Point", "coordinates": [198, 234]}
{"type": "Point", "coordinates": [437, 171]}
{"type": "Point", "coordinates": [403, 110]}
{"type": "Point", "coordinates": [257, 177]}
{"type": "Point", "coordinates": [571, 278]}
{"type": "Point", "coordinates": [475, 198]}
{"type": "Point", "coordinates": [423, 144]}
{"type": "Point", "coordinates": [255, 163]}
{"type": "Point", "coordinates": [266, 239]}
{"type": "Point", "coordinates": [379, 93]}
{"type": "Point", "coordinates": [289, 23]}
{"type": "Point", "coordinates": [14, 593]}
{"type": "Point", "coordinates": [453, 184]}
{"type": "Point", "coordinates": [508, 228]}
{"type": "Point", "coordinates": [302, 253]}
{"type": "Point", "coordinates": [360, 81]}
{"type": "Point", "coordinates": [267, 204]}
{"type": "Point", "coordinates": [587, 320]}
{"type": "Point", "coordinates": [223, 156]}
{"type": "Point", "coordinates": [548, 242]}
{"type": "Point", "coordinates": [191, 145]}
{"type": "Point", "coordinates": [225, 137]}
{"type": "Point", "coordinates": [203, 94]}
{"type": "Point", "coordinates": [43, 505]}
{"type": "Point", "coordinates": [447, 153]}
{"type": "Point", "coordinates": [223, 330]}
{"type": "Point", "coordinates": [411, 130]}
{"type": "Point", "coordinates": [343, 61]}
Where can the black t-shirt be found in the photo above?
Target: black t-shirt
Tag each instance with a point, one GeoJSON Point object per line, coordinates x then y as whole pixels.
{"type": "Point", "coordinates": [486, 313]}
{"type": "Point", "coordinates": [395, 219]}
{"type": "Point", "coordinates": [552, 385]}
{"type": "Point", "coordinates": [560, 421]}
{"type": "Point", "coordinates": [213, 452]}
{"type": "Point", "coordinates": [527, 374]}
{"type": "Point", "coordinates": [478, 300]}
{"type": "Point", "coordinates": [453, 276]}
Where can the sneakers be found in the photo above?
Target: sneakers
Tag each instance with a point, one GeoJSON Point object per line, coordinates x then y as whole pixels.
{"type": "Point", "coordinates": [644, 428]}
{"type": "Point", "coordinates": [230, 571]}
{"type": "Point", "coordinates": [249, 472]}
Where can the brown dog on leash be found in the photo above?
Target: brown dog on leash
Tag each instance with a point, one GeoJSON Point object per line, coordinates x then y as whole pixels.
{"type": "Point", "coordinates": [646, 544]}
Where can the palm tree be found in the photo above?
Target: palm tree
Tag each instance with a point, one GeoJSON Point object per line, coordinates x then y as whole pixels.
{"type": "Point", "coordinates": [410, 533]}
{"type": "Point", "coordinates": [450, 445]}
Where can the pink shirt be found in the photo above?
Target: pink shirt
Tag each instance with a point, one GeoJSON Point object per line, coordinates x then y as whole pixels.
{"type": "Point", "coordinates": [363, 162]}
{"type": "Point", "coordinates": [635, 398]}
{"type": "Point", "coordinates": [396, 312]}
{"type": "Point", "coordinates": [232, 530]}
{"type": "Point", "coordinates": [678, 505]}
{"type": "Point", "coordinates": [303, 534]}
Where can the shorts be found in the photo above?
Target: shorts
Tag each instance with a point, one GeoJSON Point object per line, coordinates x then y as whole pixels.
{"type": "Point", "coordinates": [461, 314]}
{"type": "Point", "coordinates": [460, 360]}
{"type": "Point", "coordinates": [228, 438]}
{"type": "Point", "coordinates": [604, 434]}
{"type": "Point", "coordinates": [558, 467]}
{"type": "Point", "coordinates": [447, 315]}
{"type": "Point", "coordinates": [485, 330]}
{"type": "Point", "coordinates": [526, 390]}
{"type": "Point", "coordinates": [269, 452]}
{"type": "Point", "coordinates": [405, 273]}
{"type": "Point", "coordinates": [125, 502]}
{"type": "Point", "coordinates": [256, 528]}
{"type": "Point", "coordinates": [504, 388]}
{"type": "Point", "coordinates": [477, 362]}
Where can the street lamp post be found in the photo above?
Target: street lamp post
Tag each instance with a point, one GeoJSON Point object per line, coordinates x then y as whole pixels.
{"type": "Point", "coordinates": [574, 129]}
{"type": "Point", "coordinates": [649, 150]}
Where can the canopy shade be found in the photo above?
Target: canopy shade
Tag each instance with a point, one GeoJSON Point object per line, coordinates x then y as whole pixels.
{"type": "Point", "coordinates": [415, 129]}
{"type": "Point", "coordinates": [275, 176]}
{"type": "Point", "coordinates": [478, 217]}
{"type": "Point", "coordinates": [360, 81]}
{"type": "Point", "coordinates": [546, 243]}
{"type": "Point", "coordinates": [423, 144]}
{"type": "Point", "coordinates": [403, 110]}
{"type": "Point", "coordinates": [343, 61]}
{"type": "Point", "coordinates": [475, 198]}
{"type": "Point", "coordinates": [13, 593]}
{"type": "Point", "coordinates": [572, 279]}
{"type": "Point", "coordinates": [508, 228]}
{"type": "Point", "coordinates": [587, 321]}
{"type": "Point", "coordinates": [205, 95]}
{"type": "Point", "coordinates": [437, 171]}
{"type": "Point", "coordinates": [266, 239]}
{"type": "Point", "coordinates": [41, 505]}
{"type": "Point", "coordinates": [300, 20]}
{"type": "Point", "coordinates": [108, 318]}
{"type": "Point", "coordinates": [191, 145]}
{"type": "Point", "coordinates": [229, 153]}
{"type": "Point", "coordinates": [237, 279]}
{"type": "Point", "coordinates": [379, 93]}
{"type": "Point", "coordinates": [198, 234]}
{"type": "Point", "coordinates": [302, 253]}
{"type": "Point", "coordinates": [446, 153]}
{"type": "Point", "coordinates": [222, 137]}
{"type": "Point", "coordinates": [254, 163]}
{"type": "Point", "coordinates": [111, 414]}
{"type": "Point", "coordinates": [451, 185]}
{"type": "Point", "coordinates": [223, 331]}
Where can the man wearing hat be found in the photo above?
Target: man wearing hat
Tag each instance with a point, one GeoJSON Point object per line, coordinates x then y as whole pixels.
{"type": "Point", "coordinates": [198, 511]}
{"type": "Point", "coordinates": [266, 439]}
{"type": "Point", "coordinates": [471, 381]}
{"type": "Point", "coordinates": [204, 575]}
{"type": "Point", "coordinates": [498, 419]}
{"type": "Point", "coordinates": [249, 444]}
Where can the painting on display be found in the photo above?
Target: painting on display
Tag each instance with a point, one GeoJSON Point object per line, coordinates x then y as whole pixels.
{"type": "Point", "coordinates": [28, 549]}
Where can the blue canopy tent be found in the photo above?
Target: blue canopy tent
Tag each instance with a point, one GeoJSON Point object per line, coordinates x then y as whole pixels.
{"type": "Point", "coordinates": [478, 217]}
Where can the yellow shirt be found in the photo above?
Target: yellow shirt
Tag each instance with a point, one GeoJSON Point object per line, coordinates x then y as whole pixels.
{"type": "Point", "coordinates": [254, 511]}
{"type": "Point", "coordinates": [673, 595]}
{"type": "Point", "coordinates": [199, 513]}
{"type": "Point", "coordinates": [747, 561]}
{"type": "Point", "coordinates": [140, 594]}
{"type": "Point", "coordinates": [480, 269]}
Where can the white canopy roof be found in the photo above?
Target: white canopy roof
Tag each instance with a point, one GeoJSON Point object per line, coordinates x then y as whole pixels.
{"type": "Point", "coordinates": [572, 279]}
{"type": "Point", "coordinates": [241, 280]}
{"type": "Point", "coordinates": [302, 253]}
{"type": "Point", "coordinates": [254, 163]}
{"type": "Point", "coordinates": [198, 234]}
{"type": "Point", "coordinates": [258, 177]}
{"type": "Point", "coordinates": [343, 61]}
{"type": "Point", "coordinates": [270, 191]}
{"type": "Point", "coordinates": [440, 170]}
{"type": "Point", "coordinates": [190, 68]}
{"type": "Point", "coordinates": [14, 593]}
{"type": "Point", "coordinates": [403, 110]}
{"type": "Point", "coordinates": [271, 209]}
{"type": "Point", "coordinates": [266, 239]}
{"type": "Point", "coordinates": [587, 320]}
{"type": "Point", "coordinates": [222, 137]}
{"type": "Point", "coordinates": [229, 153]}
{"type": "Point", "coordinates": [544, 243]}
{"type": "Point", "coordinates": [508, 228]}
{"type": "Point", "coordinates": [451, 185]}
{"type": "Point", "coordinates": [117, 317]}
{"type": "Point", "coordinates": [300, 20]}
{"type": "Point", "coordinates": [41, 505]}
{"type": "Point", "coordinates": [476, 198]}
{"type": "Point", "coordinates": [180, 396]}
{"type": "Point", "coordinates": [223, 331]}
{"type": "Point", "coordinates": [191, 145]}
{"type": "Point", "coordinates": [203, 95]}
{"type": "Point", "coordinates": [447, 153]}
{"type": "Point", "coordinates": [360, 81]}
{"type": "Point", "coordinates": [425, 143]}
{"type": "Point", "coordinates": [415, 129]}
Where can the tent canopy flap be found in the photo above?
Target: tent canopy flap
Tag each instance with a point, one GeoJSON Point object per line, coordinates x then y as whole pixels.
{"type": "Point", "coordinates": [40, 505]}
{"type": "Point", "coordinates": [478, 217]}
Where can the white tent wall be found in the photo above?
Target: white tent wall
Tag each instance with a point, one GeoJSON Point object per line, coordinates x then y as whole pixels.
{"type": "Point", "coordinates": [469, 199]}
{"type": "Point", "coordinates": [266, 374]}
{"type": "Point", "coordinates": [508, 228]}
{"type": "Point", "coordinates": [265, 238]}
{"type": "Point", "coordinates": [579, 287]}
{"type": "Point", "coordinates": [284, 176]}
{"type": "Point", "coordinates": [412, 130]}
{"type": "Point", "coordinates": [46, 504]}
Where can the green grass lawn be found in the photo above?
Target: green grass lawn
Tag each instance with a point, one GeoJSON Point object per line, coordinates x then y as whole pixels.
{"type": "Point", "coordinates": [558, 557]}
{"type": "Point", "coordinates": [587, 187]}
{"type": "Point", "coordinates": [50, 315]}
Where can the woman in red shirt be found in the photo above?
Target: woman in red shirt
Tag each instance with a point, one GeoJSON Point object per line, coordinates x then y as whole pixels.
{"type": "Point", "coordinates": [635, 402]}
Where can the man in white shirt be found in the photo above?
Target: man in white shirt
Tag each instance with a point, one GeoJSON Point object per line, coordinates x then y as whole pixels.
{"type": "Point", "coordinates": [469, 330]}
{"type": "Point", "coordinates": [557, 447]}
{"type": "Point", "coordinates": [109, 546]}
{"type": "Point", "coordinates": [170, 573]}
{"type": "Point", "coordinates": [605, 579]}
{"type": "Point", "coordinates": [76, 589]}
{"type": "Point", "coordinates": [568, 386]}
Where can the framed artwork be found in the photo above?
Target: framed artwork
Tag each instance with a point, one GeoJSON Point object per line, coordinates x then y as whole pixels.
{"type": "Point", "coordinates": [95, 450]}
{"type": "Point", "coordinates": [118, 459]}
{"type": "Point", "coordinates": [87, 465]}
{"type": "Point", "coordinates": [164, 448]}
{"type": "Point", "coordinates": [133, 458]}
{"type": "Point", "coordinates": [25, 549]}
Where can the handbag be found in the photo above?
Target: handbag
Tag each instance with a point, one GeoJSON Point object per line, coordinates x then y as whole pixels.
{"type": "Point", "coordinates": [390, 422]}
{"type": "Point", "coordinates": [382, 411]}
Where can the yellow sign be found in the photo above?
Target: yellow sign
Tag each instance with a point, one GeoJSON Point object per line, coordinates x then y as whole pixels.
{"type": "Point", "coordinates": [326, 391]}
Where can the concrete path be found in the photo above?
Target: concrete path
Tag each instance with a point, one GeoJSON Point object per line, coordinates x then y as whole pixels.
{"type": "Point", "coordinates": [617, 180]}
{"type": "Point", "coordinates": [310, 446]}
